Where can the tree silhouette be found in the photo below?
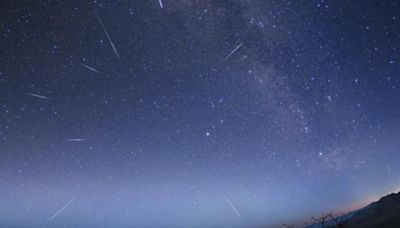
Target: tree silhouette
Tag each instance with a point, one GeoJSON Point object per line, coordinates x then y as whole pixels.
{"type": "Point", "coordinates": [321, 220]}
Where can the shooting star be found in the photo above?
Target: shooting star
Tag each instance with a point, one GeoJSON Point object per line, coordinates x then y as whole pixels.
{"type": "Point", "coordinates": [75, 140]}
{"type": "Point", "coordinates": [233, 52]}
{"type": "Point", "coordinates": [63, 208]}
{"type": "Point", "coordinates": [232, 206]}
{"type": "Point", "coordinates": [109, 38]}
{"type": "Point", "coordinates": [90, 68]}
{"type": "Point", "coordinates": [161, 3]}
{"type": "Point", "coordinates": [38, 96]}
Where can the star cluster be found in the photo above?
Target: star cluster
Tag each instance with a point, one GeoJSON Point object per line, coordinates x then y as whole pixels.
{"type": "Point", "coordinates": [194, 113]}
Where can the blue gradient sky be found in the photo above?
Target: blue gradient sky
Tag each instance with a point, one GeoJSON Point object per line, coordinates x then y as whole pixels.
{"type": "Point", "coordinates": [166, 130]}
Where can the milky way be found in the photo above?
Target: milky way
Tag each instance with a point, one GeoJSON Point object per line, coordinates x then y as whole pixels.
{"type": "Point", "coordinates": [196, 113]}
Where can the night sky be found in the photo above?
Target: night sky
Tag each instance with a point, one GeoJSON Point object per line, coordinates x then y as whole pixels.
{"type": "Point", "coordinates": [196, 113]}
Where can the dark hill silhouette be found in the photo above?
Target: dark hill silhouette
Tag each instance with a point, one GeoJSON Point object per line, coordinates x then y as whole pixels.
{"type": "Point", "coordinates": [382, 213]}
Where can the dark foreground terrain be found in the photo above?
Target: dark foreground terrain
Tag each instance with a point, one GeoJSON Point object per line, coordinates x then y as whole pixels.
{"type": "Point", "coordinates": [382, 213]}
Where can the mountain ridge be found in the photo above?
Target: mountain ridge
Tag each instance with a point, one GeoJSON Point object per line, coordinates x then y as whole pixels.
{"type": "Point", "coordinates": [382, 213]}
